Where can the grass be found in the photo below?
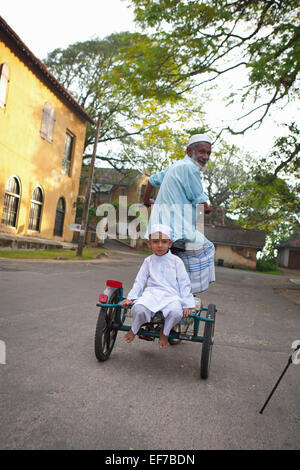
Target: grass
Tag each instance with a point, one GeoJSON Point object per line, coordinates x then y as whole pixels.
{"type": "Point", "coordinates": [144, 252]}
{"type": "Point", "coordinates": [278, 271]}
{"type": "Point", "coordinates": [88, 253]}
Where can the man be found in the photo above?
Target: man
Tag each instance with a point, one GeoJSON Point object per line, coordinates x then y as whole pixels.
{"type": "Point", "coordinates": [180, 192]}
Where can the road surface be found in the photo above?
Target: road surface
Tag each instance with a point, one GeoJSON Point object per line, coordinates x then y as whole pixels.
{"type": "Point", "coordinates": [56, 395]}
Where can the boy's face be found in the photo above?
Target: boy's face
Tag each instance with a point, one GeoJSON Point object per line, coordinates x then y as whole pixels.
{"type": "Point", "coordinates": [159, 243]}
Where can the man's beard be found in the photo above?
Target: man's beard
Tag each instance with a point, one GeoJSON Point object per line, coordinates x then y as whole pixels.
{"type": "Point", "coordinates": [202, 167]}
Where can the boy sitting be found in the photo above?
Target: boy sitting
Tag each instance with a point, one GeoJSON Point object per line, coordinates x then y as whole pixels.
{"type": "Point", "coordinates": [168, 287]}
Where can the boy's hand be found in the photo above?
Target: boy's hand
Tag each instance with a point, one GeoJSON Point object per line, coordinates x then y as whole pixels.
{"type": "Point", "coordinates": [186, 311]}
{"type": "Point", "coordinates": [126, 302]}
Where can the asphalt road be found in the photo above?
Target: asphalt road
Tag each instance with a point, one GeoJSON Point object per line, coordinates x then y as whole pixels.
{"type": "Point", "coordinates": [56, 395]}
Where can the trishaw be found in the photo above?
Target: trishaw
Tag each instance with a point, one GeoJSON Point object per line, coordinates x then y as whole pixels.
{"type": "Point", "coordinates": [112, 318]}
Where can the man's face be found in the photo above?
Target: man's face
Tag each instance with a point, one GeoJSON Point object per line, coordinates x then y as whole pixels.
{"type": "Point", "coordinates": [200, 153]}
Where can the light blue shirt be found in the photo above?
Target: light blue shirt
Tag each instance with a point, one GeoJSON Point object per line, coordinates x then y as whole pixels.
{"type": "Point", "coordinates": [180, 192]}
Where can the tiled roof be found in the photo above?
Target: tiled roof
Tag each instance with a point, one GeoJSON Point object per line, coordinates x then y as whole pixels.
{"type": "Point", "coordinates": [295, 243]}
{"type": "Point", "coordinates": [234, 236]}
{"type": "Point", "coordinates": [13, 41]}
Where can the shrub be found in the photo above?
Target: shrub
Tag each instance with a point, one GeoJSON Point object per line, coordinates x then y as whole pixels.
{"type": "Point", "coordinates": [265, 264]}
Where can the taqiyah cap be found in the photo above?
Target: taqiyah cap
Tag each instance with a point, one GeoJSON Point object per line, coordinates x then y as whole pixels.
{"type": "Point", "coordinates": [160, 228]}
{"type": "Point", "coordinates": [199, 138]}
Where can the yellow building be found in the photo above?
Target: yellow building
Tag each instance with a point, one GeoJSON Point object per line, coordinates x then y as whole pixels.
{"type": "Point", "coordinates": [234, 246]}
{"type": "Point", "coordinates": [42, 133]}
{"type": "Point", "coordinates": [109, 184]}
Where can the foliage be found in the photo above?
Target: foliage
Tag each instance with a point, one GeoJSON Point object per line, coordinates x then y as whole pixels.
{"type": "Point", "coordinates": [266, 264]}
{"type": "Point", "coordinates": [284, 156]}
{"type": "Point", "coordinates": [85, 69]}
{"type": "Point", "coordinates": [164, 138]}
{"type": "Point", "coordinates": [266, 202]}
{"type": "Point", "coordinates": [202, 41]}
{"type": "Point", "coordinates": [270, 199]}
{"type": "Point", "coordinates": [225, 174]}
{"type": "Point", "coordinates": [61, 253]}
{"type": "Point", "coordinates": [99, 77]}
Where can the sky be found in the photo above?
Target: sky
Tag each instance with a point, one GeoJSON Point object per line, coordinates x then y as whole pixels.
{"type": "Point", "coordinates": [44, 26]}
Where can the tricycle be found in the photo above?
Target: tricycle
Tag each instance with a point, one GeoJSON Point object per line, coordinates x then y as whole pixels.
{"type": "Point", "coordinates": [112, 318]}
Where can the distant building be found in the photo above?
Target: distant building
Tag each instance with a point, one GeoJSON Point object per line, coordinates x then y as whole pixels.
{"type": "Point", "coordinates": [109, 184]}
{"type": "Point", "coordinates": [289, 254]}
{"type": "Point", "coordinates": [42, 133]}
{"type": "Point", "coordinates": [235, 246]}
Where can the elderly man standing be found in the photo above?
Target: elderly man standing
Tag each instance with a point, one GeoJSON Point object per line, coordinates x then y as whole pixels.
{"type": "Point", "coordinates": [180, 192]}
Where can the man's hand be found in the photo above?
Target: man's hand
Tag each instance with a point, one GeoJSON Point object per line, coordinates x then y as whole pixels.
{"type": "Point", "coordinates": [126, 302]}
{"type": "Point", "coordinates": [186, 312]}
{"type": "Point", "coordinates": [149, 202]}
{"type": "Point", "coordinates": [148, 191]}
{"type": "Point", "coordinates": [207, 209]}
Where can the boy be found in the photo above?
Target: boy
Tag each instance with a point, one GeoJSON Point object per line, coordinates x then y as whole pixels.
{"type": "Point", "coordinates": [168, 287]}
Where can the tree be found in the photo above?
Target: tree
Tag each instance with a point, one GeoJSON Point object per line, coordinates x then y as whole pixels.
{"type": "Point", "coordinates": [99, 77]}
{"type": "Point", "coordinates": [284, 157]}
{"type": "Point", "coordinates": [270, 199]}
{"type": "Point", "coordinates": [225, 174]}
{"type": "Point", "coordinates": [202, 41]}
{"type": "Point", "coordinates": [85, 69]}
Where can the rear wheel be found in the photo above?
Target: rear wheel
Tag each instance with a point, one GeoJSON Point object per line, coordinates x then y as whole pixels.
{"type": "Point", "coordinates": [208, 340]}
{"type": "Point", "coordinates": [106, 329]}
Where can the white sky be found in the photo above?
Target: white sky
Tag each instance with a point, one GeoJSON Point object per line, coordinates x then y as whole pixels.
{"type": "Point", "coordinates": [44, 26]}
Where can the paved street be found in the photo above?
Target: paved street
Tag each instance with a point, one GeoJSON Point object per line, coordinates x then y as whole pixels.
{"type": "Point", "coordinates": [56, 395]}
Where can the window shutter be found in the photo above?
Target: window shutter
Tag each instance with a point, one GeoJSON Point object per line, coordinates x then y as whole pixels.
{"type": "Point", "coordinates": [51, 123]}
{"type": "Point", "coordinates": [4, 73]}
{"type": "Point", "coordinates": [48, 122]}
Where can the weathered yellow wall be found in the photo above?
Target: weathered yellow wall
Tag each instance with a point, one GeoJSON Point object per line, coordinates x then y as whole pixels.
{"type": "Point", "coordinates": [24, 153]}
{"type": "Point", "coordinates": [240, 257]}
{"type": "Point", "coordinates": [134, 191]}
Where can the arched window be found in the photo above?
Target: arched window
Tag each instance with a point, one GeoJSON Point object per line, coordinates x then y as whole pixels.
{"type": "Point", "coordinates": [36, 209]}
{"type": "Point", "coordinates": [11, 202]}
{"type": "Point", "coordinates": [60, 217]}
{"type": "Point", "coordinates": [4, 75]}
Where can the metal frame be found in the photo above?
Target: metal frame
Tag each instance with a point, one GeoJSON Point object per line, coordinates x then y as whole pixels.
{"type": "Point", "coordinates": [182, 336]}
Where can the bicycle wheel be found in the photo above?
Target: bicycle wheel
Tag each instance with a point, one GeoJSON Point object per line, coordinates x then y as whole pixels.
{"type": "Point", "coordinates": [208, 341]}
{"type": "Point", "coordinates": [106, 332]}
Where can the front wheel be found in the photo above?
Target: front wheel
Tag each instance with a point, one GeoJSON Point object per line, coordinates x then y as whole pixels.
{"type": "Point", "coordinates": [106, 331]}
{"type": "Point", "coordinates": [208, 341]}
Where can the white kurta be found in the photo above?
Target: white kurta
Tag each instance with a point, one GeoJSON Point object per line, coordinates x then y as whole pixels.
{"type": "Point", "coordinates": [166, 279]}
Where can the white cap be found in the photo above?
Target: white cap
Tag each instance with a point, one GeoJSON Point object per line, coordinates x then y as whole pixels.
{"type": "Point", "coordinates": [160, 228]}
{"type": "Point", "coordinates": [199, 138]}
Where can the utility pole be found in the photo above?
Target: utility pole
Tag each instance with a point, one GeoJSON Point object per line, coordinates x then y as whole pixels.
{"type": "Point", "coordinates": [85, 214]}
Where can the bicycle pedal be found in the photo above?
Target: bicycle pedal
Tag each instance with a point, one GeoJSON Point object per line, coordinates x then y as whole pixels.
{"type": "Point", "coordinates": [146, 338]}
